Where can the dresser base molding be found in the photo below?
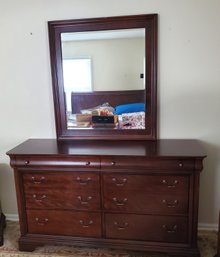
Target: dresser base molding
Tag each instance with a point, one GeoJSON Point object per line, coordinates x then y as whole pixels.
{"type": "Point", "coordinates": [30, 241]}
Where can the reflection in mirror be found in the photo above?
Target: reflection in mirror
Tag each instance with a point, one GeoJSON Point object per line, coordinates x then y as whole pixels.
{"type": "Point", "coordinates": [100, 61]}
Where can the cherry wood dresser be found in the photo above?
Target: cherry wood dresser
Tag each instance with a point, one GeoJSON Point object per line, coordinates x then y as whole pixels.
{"type": "Point", "coordinates": [135, 195]}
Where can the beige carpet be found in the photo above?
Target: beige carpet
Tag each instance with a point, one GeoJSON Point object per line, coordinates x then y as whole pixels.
{"type": "Point", "coordinates": [207, 244]}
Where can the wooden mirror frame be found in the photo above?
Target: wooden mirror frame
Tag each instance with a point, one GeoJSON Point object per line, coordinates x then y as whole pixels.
{"type": "Point", "coordinates": [146, 21]}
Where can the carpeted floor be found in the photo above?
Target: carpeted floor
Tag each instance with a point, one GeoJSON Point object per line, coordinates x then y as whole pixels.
{"type": "Point", "coordinates": [207, 245]}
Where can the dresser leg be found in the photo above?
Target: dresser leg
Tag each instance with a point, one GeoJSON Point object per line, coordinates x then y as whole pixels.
{"type": "Point", "coordinates": [26, 247]}
{"type": "Point", "coordinates": [2, 226]}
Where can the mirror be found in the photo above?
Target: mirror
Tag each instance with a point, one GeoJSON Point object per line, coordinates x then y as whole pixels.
{"type": "Point", "coordinates": [104, 77]}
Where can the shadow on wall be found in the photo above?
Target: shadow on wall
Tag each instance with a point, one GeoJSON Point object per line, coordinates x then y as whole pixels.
{"type": "Point", "coordinates": [7, 189]}
{"type": "Point", "coordinates": [209, 184]}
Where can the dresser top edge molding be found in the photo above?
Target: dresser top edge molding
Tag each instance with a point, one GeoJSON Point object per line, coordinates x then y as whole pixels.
{"type": "Point", "coordinates": [155, 148]}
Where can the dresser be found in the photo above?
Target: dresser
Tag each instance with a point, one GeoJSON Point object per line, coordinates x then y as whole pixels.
{"type": "Point", "coordinates": [137, 195]}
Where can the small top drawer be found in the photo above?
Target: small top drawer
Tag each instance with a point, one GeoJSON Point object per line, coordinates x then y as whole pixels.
{"type": "Point", "coordinates": [141, 163]}
{"type": "Point", "coordinates": [66, 161]}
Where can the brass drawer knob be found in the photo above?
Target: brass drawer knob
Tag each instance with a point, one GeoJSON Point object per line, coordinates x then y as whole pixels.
{"type": "Point", "coordinates": [113, 163]}
{"type": "Point", "coordinates": [180, 164]}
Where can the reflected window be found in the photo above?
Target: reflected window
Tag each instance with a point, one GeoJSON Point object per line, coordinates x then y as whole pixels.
{"type": "Point", "coordinates": [77, 75]}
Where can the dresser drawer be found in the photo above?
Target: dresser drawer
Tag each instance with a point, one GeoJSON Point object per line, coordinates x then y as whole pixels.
{"type": "Point", "coordinates": [54, 199]}
{"type": "Point", "coordinates": [146, 194]}
{"type": "Point", "coordinates": [79, 181]}
{"type": "Point", "coordinates": [86, 162]}
{"type": "Point", "coordinates": [140, 163]}
{"type": "Point", "coordinates": [147, 228]}
{"type": "Point", "coordinates": [64, 223]}
{"type": "Point", "coordinates": [78, 191]}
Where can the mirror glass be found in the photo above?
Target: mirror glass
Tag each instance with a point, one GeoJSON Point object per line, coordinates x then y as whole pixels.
{"type": "Point", "coordinates": [100, 61]}
{"type": "Point", "coordinates": [104, 77]}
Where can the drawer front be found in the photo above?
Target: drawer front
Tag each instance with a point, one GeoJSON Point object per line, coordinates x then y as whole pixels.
{"type": "Point", "coordinates": [146, 194]}
{"type": "Point", "coordinates": [51, 161]}
{"type": "Point", "coordinates": [55, 199]}
{"type": "Point", "coordinates": [147, 228]}
{"type": "Point", "coordinates": [80, 191]}
{"type": "Point", "coordinates": [64, 223]}
{"type": "Point", "coordinates": [61, 181]}
{"type": "Point", "coordinates": [140, 163]}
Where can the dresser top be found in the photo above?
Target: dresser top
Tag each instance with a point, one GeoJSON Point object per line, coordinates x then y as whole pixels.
{"type": "Point", "coordinates": [157, 148]}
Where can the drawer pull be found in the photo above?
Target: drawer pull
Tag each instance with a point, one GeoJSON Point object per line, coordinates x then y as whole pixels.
{"type": "Point", "coordinates": [172, 229]}
{"type": "Point", "coordinates": [39, 198]}
{"type": "Point", "coordinates": [113, 163]}
{"type": "Point", "coordinates": [171, 205]}
{"type": "Point", "coordinates": [121, 227]}
{"type": "Point", "coordinates": [170, 185]}
{"type": "Point", "coordinates": [83, 182]}
{"type": "Point", "coordinates": [84, 201]}
{"type": "Point", "coordinates": [37, 181]}
{"type": "Point", "coordinates": [120, 202]}
{"type": "Point", "coordinates": [85, 225]}
{"type": "Point", "coordinates": [41, 222]}
{"type": "Point", "coordinates": [120, 182]}
{"type": "Point", "coordinates": [27, 162]}
{"type": "Point", "coordinates": [87, 163]}
{"type": "Point", "coordinates": [180, 164]}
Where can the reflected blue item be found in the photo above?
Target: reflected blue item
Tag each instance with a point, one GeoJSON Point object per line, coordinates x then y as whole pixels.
{"type": "Point", "coordinates": [128, 108]}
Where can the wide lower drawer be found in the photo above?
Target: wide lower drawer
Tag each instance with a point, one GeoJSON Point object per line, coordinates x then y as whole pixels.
{"type": "Point", "coordinates": [64, 223]}
{"type": "Point", "coordinates": [146, 194]}
{"type": "Point", "coordinates": [147, 228]}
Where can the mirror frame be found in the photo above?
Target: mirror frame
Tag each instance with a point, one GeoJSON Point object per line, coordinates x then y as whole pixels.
{"type": "Point", "coordinates": [146, 21]}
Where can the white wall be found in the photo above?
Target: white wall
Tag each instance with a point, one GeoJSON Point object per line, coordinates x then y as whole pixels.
{"type": "Point", "coordinates": [188, 78]}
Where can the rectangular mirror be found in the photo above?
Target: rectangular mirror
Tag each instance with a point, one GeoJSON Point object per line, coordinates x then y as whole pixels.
{"type": "Point", "coordinates": [104, 77]}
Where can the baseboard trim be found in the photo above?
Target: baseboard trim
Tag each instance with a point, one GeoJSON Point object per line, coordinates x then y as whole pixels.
{"type": "Point", "coordinates": [208, 227]}
{"type": "Point", "coordinates": [201, 226]}
{"type": "Point", "coordinates": [12, 217]}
